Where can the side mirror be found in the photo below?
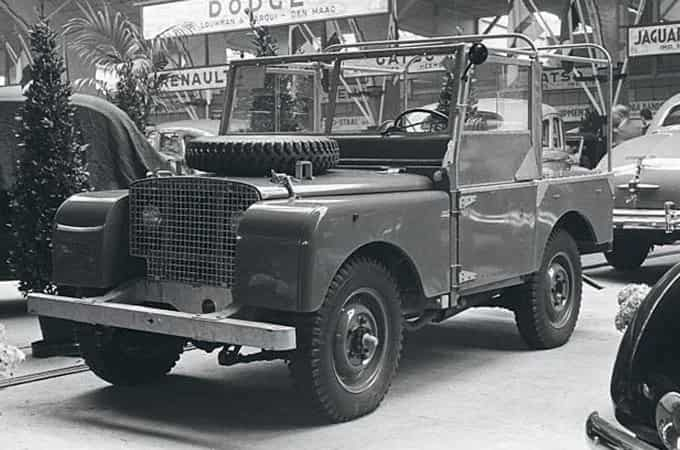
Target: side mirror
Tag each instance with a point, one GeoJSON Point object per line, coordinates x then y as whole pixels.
{"type": "Point", "coordinates": [478, 53]}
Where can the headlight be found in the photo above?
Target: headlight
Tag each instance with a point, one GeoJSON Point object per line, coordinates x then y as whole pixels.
{"type": "Point", "coordinates": [151, 216]}
{"type": "Point", "coordinates": [668, 420]}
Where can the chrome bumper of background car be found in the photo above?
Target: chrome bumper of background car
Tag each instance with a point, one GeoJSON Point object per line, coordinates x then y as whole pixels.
{"type": "Point", "coordinates": [667, 219]}
{"type": "Point", "coordinates": [603, 435]}
{"type": "Point", "coordinates": [216, 327]}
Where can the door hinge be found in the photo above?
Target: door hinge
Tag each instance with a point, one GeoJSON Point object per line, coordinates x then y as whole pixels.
{"type": "Point", "coordinates": [460, 276]}
{"type": "Point", "coordinates": [467, 200]}
{"type": "Point", "coordinates": [464, 276]}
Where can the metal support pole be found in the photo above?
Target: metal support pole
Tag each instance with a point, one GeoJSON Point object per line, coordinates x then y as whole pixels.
{"type": "Point", "coordinates": [5, 51]}
{"type": "Point", "coordinates": [590, 52]}
{"type": "Point", "coordinates": [626, 60]}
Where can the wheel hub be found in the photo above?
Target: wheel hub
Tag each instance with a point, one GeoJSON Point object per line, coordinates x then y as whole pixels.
{"type": "Point", "coordinates": [359, 341]}
{"type": "Point", "coordinates": [559, 286]}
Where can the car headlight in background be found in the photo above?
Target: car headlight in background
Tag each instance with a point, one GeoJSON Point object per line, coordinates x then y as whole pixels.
{"type": "Point", "coordinates": [668, 420]}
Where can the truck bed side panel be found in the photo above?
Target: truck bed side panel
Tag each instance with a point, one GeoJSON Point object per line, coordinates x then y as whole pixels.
{"type": "Point", "coordinates": [590, 196]}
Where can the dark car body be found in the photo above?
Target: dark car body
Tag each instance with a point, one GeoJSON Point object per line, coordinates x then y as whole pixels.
{"type": "Point", "coordinates": [117, 152]}
{"type": "Point", "coordinates": [647, 365]}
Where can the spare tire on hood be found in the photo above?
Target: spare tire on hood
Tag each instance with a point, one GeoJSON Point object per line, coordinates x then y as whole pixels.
{"type": "Point", "coordinates": [258, 155]}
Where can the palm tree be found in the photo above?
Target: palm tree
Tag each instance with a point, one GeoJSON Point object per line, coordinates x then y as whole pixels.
{"type": "Point", "coordinates": [111, 40]}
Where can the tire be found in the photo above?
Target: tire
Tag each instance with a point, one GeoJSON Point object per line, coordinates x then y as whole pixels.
{"type": "Point", "coordinates": [126, 357]}
{"type": "Point", "coordinates": [628, 253]}
{"type": "Point", "coordinates": [259, 155]}
{"type": "Point", "coordinates": [330, 365]}
{"type": "Point", "coordinates": [547, 308]}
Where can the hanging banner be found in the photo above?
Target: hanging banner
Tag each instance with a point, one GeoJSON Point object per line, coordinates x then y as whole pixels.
{"type": "Point", "coordinates": [392, 65]}
{"type": "Point", "coordinates": [573, 113]}
{"type": "Point", "coordinates": [662, 39]}
{"type": "Point", "coordinates": [195, 78]}
{"type": "Point", "coordinates": [214, 16]}
{"type": "Point", "coordinates": [555, 80]}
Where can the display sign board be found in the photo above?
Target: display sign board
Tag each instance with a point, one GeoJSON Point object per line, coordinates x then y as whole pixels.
{"type": "Point", "coordinates": [575, 113]}
{"type": "Point", "coordinates": [572, 113]}
{"type": "Point", "coordinates": [661, 39]}
{"type": "Point", "coordinates": [386, 65]}
{"type": "Point", "coordinates": [213, 16]}
{"type": "Point", "coordinates": [195, 78]}
{"type": "Point", "coordinates": [555, 80]}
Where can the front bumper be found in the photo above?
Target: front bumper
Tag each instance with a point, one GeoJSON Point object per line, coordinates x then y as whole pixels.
{"type": "Point", "coordinates": [603, 435]}
{"type": "Point", "coordinates": [216, 327]}
{"type": "Point", "coordinates": [666, 220]}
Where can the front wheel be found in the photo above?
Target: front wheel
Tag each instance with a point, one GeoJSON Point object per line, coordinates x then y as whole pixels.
{"type": "Point", "coordinates": [548, 305]}
{"type": "Point", "coordinates": [349, 350]}
{"type": "Point", "coordinates": [126, 357]}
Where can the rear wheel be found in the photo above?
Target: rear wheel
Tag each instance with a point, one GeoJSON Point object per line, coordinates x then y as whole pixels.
{"type": "Point", "coordinates": [548, 305]}
{"type": "Point", "coordinates": [629, 252]}
{"type": "Point", "coordinates": [126, 357]}
{"type": "Point", "coordinates": [349, 351]}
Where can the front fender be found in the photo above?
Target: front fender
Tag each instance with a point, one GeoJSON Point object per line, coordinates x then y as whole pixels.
{"type": "Point", "coordinates": [289, 251]}
{"type": "Point", "coordinates": [90, 241]}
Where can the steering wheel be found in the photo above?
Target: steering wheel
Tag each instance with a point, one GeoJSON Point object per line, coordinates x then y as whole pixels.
{"type": "Point", "coordinates": [401, 122]}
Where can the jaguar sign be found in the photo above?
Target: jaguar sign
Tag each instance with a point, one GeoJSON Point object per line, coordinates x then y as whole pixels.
{"type": "Point", "coordinates": [658, 39]}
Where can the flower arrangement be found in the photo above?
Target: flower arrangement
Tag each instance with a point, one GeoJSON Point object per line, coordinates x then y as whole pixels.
{"type": "Point", "coordinates": [629, 299]}
{"type": "Point", "coordinates": [10, 356]}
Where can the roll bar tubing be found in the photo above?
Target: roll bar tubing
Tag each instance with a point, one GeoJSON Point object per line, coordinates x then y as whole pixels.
{"type": "Point", "coordinates": [428, 42]}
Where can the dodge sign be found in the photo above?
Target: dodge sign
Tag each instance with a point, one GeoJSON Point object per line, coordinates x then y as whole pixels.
{"type": "Point", "coordinates": [213, 16]}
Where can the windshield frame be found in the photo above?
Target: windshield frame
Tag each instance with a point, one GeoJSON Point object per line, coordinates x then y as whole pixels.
{"type": "Point", "coordinates": [333, 63]}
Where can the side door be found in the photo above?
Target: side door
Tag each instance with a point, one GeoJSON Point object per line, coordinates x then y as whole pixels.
{"type": "Point", "coordinates": [498, 173]}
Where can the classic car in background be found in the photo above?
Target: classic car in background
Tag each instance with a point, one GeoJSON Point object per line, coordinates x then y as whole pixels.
{"type": "Point", "coordinates": [117, 151]}
{"type": "Point", "coordinates": [170, 138]}
{"type": "Point", "coordinates": [647, 180]}
{"type": "Point", "coordinates": [646, 376]}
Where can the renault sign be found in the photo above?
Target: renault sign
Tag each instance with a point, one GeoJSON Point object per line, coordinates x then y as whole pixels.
{"type": "Point", "coordinates": [659, 39]}
{"type": "Point", "coordinates": [213, 16]}
{"type": "Point", "coordinates": [194, 78]}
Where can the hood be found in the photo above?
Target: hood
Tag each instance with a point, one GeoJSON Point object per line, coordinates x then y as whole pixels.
{"type": "Point", "coordinates": [342, 182]}
{"type": "Point", "coordinates": [659, 173]}
{"type": "Point", "coordinates": [660, 144]}
{"type": "Point", "coordinates": [647, 354]}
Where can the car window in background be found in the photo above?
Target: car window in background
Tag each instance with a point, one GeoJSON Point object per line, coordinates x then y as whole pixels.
{"type": "Point", "coordinates": [673, 117]}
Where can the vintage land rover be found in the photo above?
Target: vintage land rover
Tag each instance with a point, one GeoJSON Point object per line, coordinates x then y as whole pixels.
{"type": "Point", "coordinates": [338, 213]}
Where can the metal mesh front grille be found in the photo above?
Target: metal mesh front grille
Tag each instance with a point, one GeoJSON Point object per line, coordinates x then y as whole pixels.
{"type": "Point", "coordinates": [185, 227]}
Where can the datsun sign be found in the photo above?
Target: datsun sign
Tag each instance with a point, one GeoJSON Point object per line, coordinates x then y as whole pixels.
{"type": "Point", "coordinates": [213, 16]}
{"type": "Point", "coordinates": [659, 39]}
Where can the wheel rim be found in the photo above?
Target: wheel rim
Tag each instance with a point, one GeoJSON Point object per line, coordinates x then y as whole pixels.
{"type": "Point", "coordinates": [360, 340]}
{"type": "Point", "coordinates": [561, 288]}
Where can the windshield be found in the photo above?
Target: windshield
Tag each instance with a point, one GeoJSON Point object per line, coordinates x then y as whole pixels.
{"type": "Point", "coordinates": [374, 92]}
{"type": "Point", "coordinates": [274, 99]}
{"type": "Point", "coordinates": [382, 93]}
{"type": "Point", "coordinates": [370, 93]}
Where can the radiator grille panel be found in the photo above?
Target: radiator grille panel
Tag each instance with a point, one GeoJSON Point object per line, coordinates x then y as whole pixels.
{"type": "Point", "coordinates": [185, 227]}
